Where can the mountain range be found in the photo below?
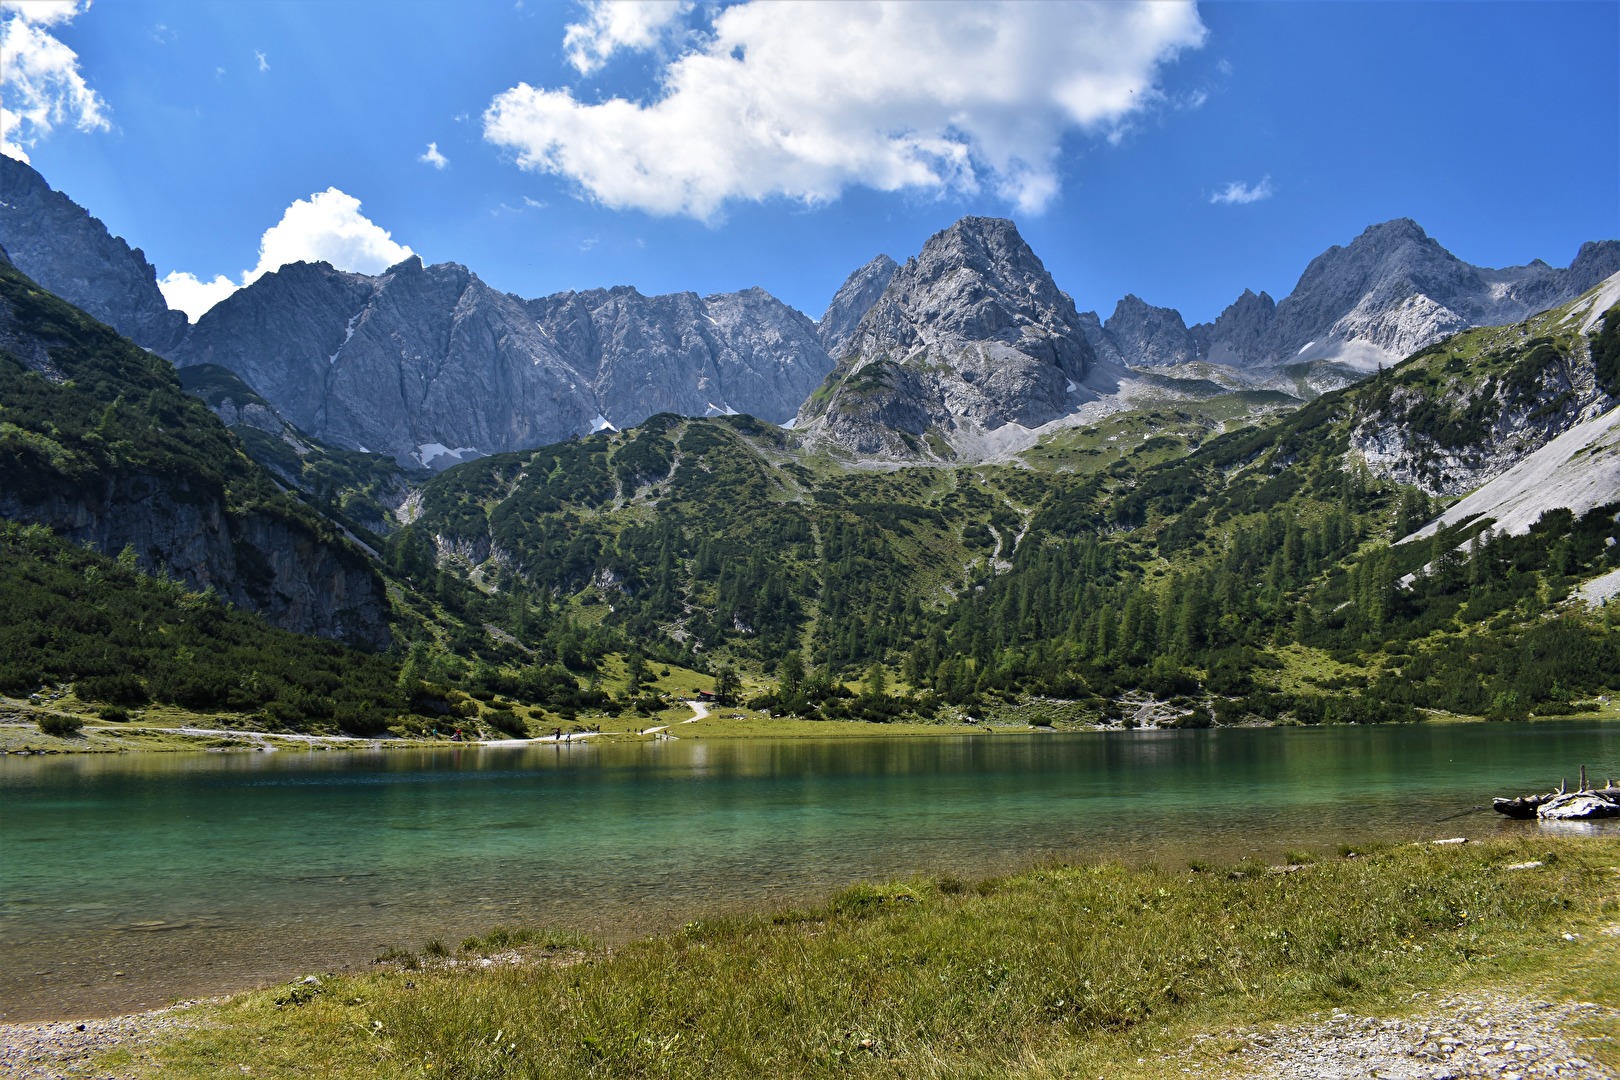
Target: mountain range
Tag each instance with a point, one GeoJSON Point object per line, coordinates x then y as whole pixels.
{"type": "Point", "coordinates": [958, 353]}
{"type": "Point", "coordinates": [1104, 521]}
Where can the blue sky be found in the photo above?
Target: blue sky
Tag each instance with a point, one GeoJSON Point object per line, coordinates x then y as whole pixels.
{"type": "Point", "coordinates": [690, 146]}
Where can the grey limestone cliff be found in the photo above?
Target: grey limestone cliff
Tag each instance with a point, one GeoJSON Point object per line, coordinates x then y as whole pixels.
{"type": "Point", "coordinates": [423, 363]}
{"type": "Point", "coordinates": [179, 507]}
{"type": "Point", "coordinates": [56, 242]}
{"type": "Point", "coordinates": [852, 301]}
{"type": "Point", "coordinates": [1151, 336]}
{"type": "Point", "coordinates": [1238, 334]}
{"type": "Point", "coordinates": [743, 352]}
{"type": "Point", "coordinates": [970, 335]}
{"type": "Point", "coordinates": [431, 365]}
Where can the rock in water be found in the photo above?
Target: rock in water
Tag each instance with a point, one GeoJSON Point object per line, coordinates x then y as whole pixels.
{"type": "Point", "coordinates": [1577, 806]}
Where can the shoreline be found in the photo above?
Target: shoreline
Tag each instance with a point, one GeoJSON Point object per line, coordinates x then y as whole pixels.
{"type": "Point", "coordinates": [24, 739]}
{"type": "Point", "coordinates": [1534, 1011]}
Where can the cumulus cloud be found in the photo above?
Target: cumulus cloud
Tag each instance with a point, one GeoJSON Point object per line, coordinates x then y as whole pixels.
{"type": "Point", "coordinates": [804, 99]}
{"type": "Point", "coordinates": [40, 83]}
{"type": "Point", "coordinates": [431, 156]}
{"type": "Point", "coordinates": [611, 25]}
{"type": "Point", "coordinates": [264, 64]}
{"type": "Point", "coordinates": [1239, 193]}
{"type": "Point", "coordinates": [190, 294]}
{"type": "Point", "coordinates": [326, 227]}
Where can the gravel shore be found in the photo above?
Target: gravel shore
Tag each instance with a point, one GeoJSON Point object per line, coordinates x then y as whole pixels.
{"type": "Point", "coordinates": [65, 1048]}
{"type": "Point", "coordinates": [1454, 1038]}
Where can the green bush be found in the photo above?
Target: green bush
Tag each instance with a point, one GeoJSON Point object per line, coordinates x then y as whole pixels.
{"type": "Point", "coordinates": [63, 727]}
{"type": "Point", "coordinates": [507, 722]}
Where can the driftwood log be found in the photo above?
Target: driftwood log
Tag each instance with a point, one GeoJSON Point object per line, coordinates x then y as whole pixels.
{"type": "Point", "coordinates": [1564, 805]}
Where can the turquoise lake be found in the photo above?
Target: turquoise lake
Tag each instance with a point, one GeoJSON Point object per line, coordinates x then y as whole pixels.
{"type": "Point", "coordinates": [127, 881]}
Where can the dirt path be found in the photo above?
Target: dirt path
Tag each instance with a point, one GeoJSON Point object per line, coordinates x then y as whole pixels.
{"type": "Point", "coordinates": [699, 711]}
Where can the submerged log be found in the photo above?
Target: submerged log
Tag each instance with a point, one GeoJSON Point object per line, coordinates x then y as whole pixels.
{"type": "Point", "coordinates": [1523, 807]}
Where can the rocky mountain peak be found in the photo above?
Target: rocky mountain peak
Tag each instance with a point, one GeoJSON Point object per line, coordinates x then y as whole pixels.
{"type": "Point", "coordinates": [1596, 261]}
{"type": "Point", "coordinates": [1151, 336]}
{"type": "Point", "coordinates": [56, 242]}
{"type": "Point", "coordinates": [852, 301]}
{"type": "Point", "coordinates": [968, 336]}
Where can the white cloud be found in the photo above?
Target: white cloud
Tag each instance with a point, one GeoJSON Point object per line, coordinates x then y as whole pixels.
{"type": "Point", "coordinates": [40, 83]}
{"type": "Point", "coordinates": [804, 99]}
{"type": "Point", "coordinates": [44, 12]}
{"type": "Point", "coordinates": [431, 156]}
{"type": "Point", "coordinates": [264, 65]}
{"type": "Point", "coordinates": [188, 293]}
{"type": "Point", "coordinates": [1241, 194]}
{"type": "Point", "coordinates": [611, 25]}
{"type": "Point", "coordinates": [326, 227]}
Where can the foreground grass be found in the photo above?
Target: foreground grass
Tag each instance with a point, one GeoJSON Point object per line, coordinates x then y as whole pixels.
{"type": "Point", "coordinates": [1063, 970]}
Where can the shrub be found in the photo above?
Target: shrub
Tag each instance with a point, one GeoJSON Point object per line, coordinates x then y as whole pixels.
{"type": "Point", "coordinates": [60, 725]}
{"type": "Point", "coordinates": [507, 722]}
{"type": "Point", "coordinates": [119, 689]}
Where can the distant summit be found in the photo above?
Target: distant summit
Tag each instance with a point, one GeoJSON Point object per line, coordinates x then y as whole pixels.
{"type": "Point", "coordinates": [970, 335]}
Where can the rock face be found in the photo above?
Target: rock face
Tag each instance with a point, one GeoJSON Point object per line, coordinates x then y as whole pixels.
{"type": "Point", "coordinates": [423, 363]}
{"type": "Point", "coordinates": [1521, 417]}
{"type": "Point", "coordinates": [1238, 334]}
{"type": "Point", "coordinates": [852, 301]}
{"type": "Point", "coordinates": [431, 365]}
{"type": "Point", "coordinates": [970, 335]}
{"type": "Point", "coordinates": [205, 516]}
{"type": "Point", "coordinates": [56, 242]}
{"type": "Point", "coordinates": [259, 562]}
{"type": "Point", "coordinates": [1151, 336]}
{"type": "Point", "coordinates": [743, 352]}
{"type": "Point", "coordinates": [1391, 291]}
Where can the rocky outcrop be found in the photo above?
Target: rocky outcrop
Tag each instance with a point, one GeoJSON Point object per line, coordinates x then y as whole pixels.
{"type": "Point", "coordinates": [158, 474]}
{"type": "Point", "coordinates": [419, 362]}
{"type": "Point", "coordinates": [261, 562]}
{"type": "Point", "coordinates": [1449, 426]}
{"type": "Point", "coordinates": [851, 303]}
{"type": "Point", "coordinates": [1392, 291]}
{"type": "Point", "coordinates": [970, 335]}
{"type": "Point", "coordinates": [56, 242]}
{"type": "Point", "coordinates": [1238, 334]}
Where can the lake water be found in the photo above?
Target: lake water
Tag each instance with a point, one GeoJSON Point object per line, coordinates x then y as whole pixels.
{"type": "Point", "coordinates": [201, 873]}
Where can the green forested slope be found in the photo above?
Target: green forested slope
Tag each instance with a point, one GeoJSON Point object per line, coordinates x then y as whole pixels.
{"type": "Point", "coordinates": [1202, 577]}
